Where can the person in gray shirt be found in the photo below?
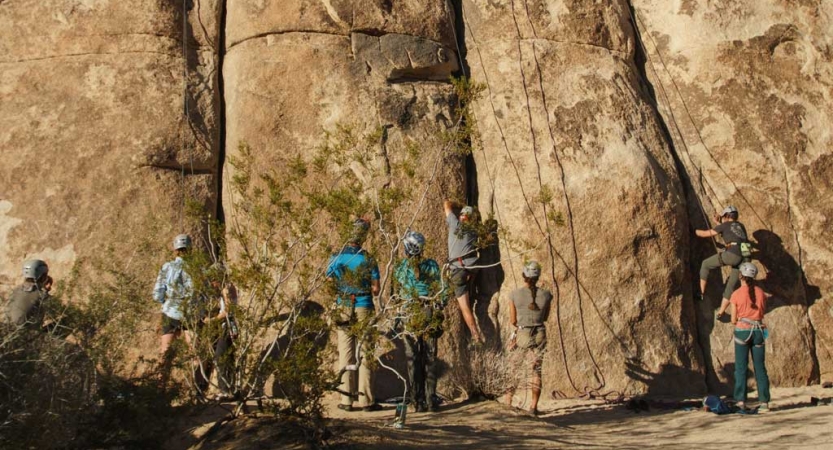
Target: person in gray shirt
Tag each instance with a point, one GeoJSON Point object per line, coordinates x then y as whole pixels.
{"type": "Point", "coordinates": [529, 308]}
{"type": "Point", "coordinates": [27, 301]}
{"type": "Point", "coordinates": [737, 251]}
{"type": "Point", "coordinates": [462, 255]}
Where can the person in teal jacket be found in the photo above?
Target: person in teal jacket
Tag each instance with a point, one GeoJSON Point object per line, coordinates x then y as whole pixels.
{"type": "Point", "coordinates": [419, 288]}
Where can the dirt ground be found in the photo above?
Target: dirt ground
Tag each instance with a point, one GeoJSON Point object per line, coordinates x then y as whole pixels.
{"type": "Point", "coordinates": [792, 423]}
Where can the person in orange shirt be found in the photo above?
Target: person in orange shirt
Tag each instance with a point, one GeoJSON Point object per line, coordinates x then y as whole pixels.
{"type": "Point", "coordinates": [748, 306]}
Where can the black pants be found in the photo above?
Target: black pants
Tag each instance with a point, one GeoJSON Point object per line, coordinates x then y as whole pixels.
{"type": "Point", "coordinates": [223, 361]}
{"type": "Point", "coordinates": [421, 353]}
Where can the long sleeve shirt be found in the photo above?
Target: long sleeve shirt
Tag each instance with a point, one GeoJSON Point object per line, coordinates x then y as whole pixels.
{"type": "Point", "coordinates": [173, 286]}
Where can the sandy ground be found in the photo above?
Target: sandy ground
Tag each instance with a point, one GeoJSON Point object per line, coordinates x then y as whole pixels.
{"type": "Point", "coordinates": [792, 423]}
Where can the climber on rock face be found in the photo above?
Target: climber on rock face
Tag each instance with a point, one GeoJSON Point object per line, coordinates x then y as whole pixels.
{"type": "Point", "coordinates": [462, 255]}
{"type": "Point", "coordinates": [737, 251]}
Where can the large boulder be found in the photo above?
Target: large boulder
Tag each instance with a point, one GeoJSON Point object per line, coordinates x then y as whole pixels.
{"type": "Point", "coordinates": [97, 149]}
{"type": "Point", "coordinates": [744, 88]}
{"type": "Point", "coordinates": [573, 163]}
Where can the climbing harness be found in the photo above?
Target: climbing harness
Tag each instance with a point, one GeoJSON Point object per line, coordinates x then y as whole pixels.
{"type": "Point", "coordinates": [757, 325]}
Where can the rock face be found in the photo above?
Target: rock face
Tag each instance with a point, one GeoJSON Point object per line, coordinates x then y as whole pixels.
{"type": "Point", "coordinates": [745, 91]}
{"type": "Point", "coordinates": [95, 145]}
{"type": "Point", "coordinates": [567, 129]}
{"type": "Point", "coordinates": [605, 133]}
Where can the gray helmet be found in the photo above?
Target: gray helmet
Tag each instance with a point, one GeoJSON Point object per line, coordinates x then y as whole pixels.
{"type": "Point", "coordinates": [729, 210]}
{"type": "Point", "coordinates": [35, 269]}
{"type": "Point", "coordinates": [467, 211]}
{"type": "Point", "coordinates": [182, 241]}
{"type": "Point", "coordinates": [532, 269]}
{"type": "Point", "coordinates": [360, 229]}
{"type": "Point", "coordinates": [413, 242]}
{"type": "Point", "coordinates": [748, 270]}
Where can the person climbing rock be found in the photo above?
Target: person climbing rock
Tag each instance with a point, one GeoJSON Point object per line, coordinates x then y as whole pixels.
{"type": "Point", "coordinates": [174, 289]}
{"type": "Point", "coordinates": [736, 251]}
{"type": "Point", "coordinates": [462, 256]}
{"type": "Point", "coordinates": [27, 302]}
{"type": "Point", "coordinates": [748, 307]}
{"type": "Point", "coordinates": [355, 275]}
{"type": "Point", "coordinates": [529, 307]}
{"type": "Point", "coordinates": [420, 290]}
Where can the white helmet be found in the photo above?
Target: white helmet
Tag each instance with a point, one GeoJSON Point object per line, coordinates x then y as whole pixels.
{"type": "Point", "coordinates": [532, 269]}
{"type": "Point", "coordinates": [35, 269]}
{"type": "Point", "coordinates": [467, 211]}
{"type": "Point", "coordinates": [748, 270]}
{"type": "Point", "coordinates": [413, 242]}
{"type": "Point", "coordinates": [182, 241]}
{"type": "Point", "coordinates": [730, 211]}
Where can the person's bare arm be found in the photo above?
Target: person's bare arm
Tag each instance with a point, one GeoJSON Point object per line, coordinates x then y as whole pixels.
{"type": "Point", "coordinates": [374, 287]}
{"type": "Point", "coordinates": [448, 207]}
{"type": "Point", "coordinates": [546, 314]}
{"type": "Point", "coordinates": [513, 314]}
{"type": "Point", "coordinates": [705, 233]}
{"type": "Point", "coordinates": [734, 312]}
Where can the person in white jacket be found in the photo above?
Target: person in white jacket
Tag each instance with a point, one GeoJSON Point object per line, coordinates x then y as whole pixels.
{"type": "Point", "coordinates": [174, 289]}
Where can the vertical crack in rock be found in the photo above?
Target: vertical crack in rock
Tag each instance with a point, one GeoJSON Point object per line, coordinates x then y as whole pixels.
{"type": "Point", "coordinates": [459, 30]}
{"type": "Point", "coordinates": [600, 379]}
{"type": "Point", "coordinates": [221, 108]}
{"type": "Point", "coordinates": [689, 192]}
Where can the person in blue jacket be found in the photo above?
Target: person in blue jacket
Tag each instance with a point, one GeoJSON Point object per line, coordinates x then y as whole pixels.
{"type": "Point", "coordinates": [355, 275]}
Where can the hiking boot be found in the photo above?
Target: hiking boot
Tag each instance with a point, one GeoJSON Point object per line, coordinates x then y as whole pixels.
{"type": "Point", "coordinates": [373, 407]}
{"type": "Point", "coordinates": [763, 408]}
{"type": "Point", "coordinates": [344, 407]}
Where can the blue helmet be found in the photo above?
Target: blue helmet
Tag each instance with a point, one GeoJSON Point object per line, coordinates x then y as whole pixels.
{"type": "Point", "coordinates": [413, 242]}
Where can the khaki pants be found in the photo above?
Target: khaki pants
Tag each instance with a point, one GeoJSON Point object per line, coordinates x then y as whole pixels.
{"type": "Point", "coordinates": [347, 356]}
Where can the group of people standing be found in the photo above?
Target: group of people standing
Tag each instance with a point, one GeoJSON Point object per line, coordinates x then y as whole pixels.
{"type": "Point", "coordinates": [421, 291]}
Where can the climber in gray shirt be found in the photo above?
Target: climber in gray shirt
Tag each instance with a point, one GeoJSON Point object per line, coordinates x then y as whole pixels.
{"type": "Point", "coordinates": [462, 255]}
{"type": "Point", "coordinates": [737, 251]}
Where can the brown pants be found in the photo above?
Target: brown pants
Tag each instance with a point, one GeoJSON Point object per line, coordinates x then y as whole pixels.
{"type": "Point", "coordinates": [347, 355]}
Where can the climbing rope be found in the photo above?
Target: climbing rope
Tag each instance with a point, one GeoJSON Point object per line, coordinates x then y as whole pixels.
{"type": "Point", "coordinates": [639, 24]}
